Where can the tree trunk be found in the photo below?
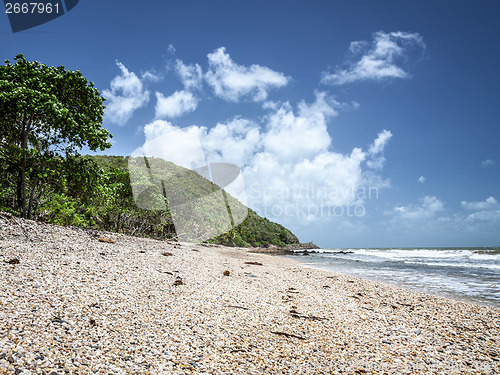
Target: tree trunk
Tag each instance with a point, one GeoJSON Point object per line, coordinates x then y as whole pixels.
{"type": "Point", "coordinates": [38, 198]}
{"type": "Point", "coordinates": [21, 189]}
{"type": "Point", "coordinates": [21, 183]}
{"type": "Point", "coordinates": [32, 196]}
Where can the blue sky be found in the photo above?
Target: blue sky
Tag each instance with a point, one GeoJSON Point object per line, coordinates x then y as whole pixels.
{"type": "Point", "coordinates": [354, 123]}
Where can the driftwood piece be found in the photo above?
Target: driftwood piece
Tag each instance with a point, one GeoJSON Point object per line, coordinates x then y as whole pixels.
{"type": "Point", "coordinates": [288, 335]}
{"type": "Point", "coordinates": [107, 240]}
{"type": "Point", "coordinates": [238, 307]}
{"type": "Point", "coordinates": [254, 263]}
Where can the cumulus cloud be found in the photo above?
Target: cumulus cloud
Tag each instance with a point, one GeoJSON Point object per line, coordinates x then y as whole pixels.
{"type": "Point", "coordinates": [167, 141]}
{"type": "Point", "coordinates": [233, 82]}
{"type": "Point", "coordinates": [287, 131]}
{"type": "Point", "coordinates": [487, 211]}
{"type": "Point", "coordinates": [377, 60]}
{"type": "Point", "coordinates": [488, 204]}
{"type": "Point", "coordinates": [428, 208]}
{"type": "Point", "coordinates": [126, 95]}
{"type": "Point", "coordinates": [431, 217]}
{"type": "Point", "coordinates": [293, 171]}
{"type": "Point", "coordinates": [489, 216]}
{"type": "Point", "coordinates": [287, 159]}
{"type": "Point", "coordinates": [421, 179]}
{"type": "Point", "coordinates": [190, 75]}
{"type": "Point", "coordinates": [175, 105]}
{"type": "Point", "coordinates": [235, 141]}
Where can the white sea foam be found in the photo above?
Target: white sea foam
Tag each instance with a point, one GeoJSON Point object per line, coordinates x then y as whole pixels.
{"type": "Point", "coordinates": [469, 273]}
{"type": "Point", "coordinates": [416, 253]}
{"type": "Point", "coordinates": [485, 256]}
{"type": "Point", "coordinates": [462, 265]}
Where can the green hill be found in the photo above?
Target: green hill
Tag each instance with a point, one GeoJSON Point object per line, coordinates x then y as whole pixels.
{"type": "Point", "coordinates": [111, 205]}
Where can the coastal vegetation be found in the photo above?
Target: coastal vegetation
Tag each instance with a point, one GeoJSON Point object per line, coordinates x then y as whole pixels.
{"type": "Point", "coordinates": [47, 114]}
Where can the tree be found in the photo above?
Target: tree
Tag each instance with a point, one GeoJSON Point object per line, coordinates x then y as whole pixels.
{"type": "Point", "coordinates": [47, 114]}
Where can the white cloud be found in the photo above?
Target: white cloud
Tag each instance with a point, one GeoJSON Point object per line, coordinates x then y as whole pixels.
{"type": "Point", "coordinates": [492, 216]}
{"type": "Point", "coordinates": [379, 144]}
{"type": "Point", "coordinates": [376, 151]}
{"type": "Point", "coordinates": [286, 131]}
{"type": "Point", "coordinates": [488, 204]}
{"type": "Point", "coordinates": [235, 141]}
{"type": "Point", "coordinates": [151, 76]}
{"type": "Point", "coordinates": [430, 218]}
{"type": "Point", "coordinates": [233, 82]}
{"type": "Point", "coordinates": [180, 146]}
{"type": "Point", "coordinates": [487, 211]}
{"type": "Point", "coordinates": [428, 208]}
{"type": "Point", "coordinates": [190, 75]}
{"type": "Point", "coordinates": [421, 179]}
{"type": "Point", "coordinates": [171, 49]}
{"type": "Point", "coordinates": [287, 161]}
{"type": "Point", "coordinates": [487, 163]}
{"type": "Point", "coordinates": [175, 105]}
{"type": "Point", "coordinates": [126, 95]}
{"type": "Point", "coordinates": [376, 60]}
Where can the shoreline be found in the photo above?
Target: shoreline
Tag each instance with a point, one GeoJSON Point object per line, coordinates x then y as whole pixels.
{"type": "Point", "coordinates": [394, 284]}
{"type": "Point", "coordinates": [76, 304]}
{"type": "Point", "coordinates": [302, 257]}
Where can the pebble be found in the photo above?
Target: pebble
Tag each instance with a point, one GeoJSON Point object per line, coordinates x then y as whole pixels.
{"type": "Point", "coordinates": [66, 309]}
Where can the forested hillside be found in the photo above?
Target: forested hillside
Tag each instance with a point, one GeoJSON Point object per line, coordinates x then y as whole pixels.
{"type": "Point", "coordinates": [100, 197]}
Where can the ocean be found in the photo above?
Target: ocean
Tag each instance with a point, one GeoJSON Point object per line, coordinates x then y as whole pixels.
{"type": "Point", "coordinates": [471, 274]}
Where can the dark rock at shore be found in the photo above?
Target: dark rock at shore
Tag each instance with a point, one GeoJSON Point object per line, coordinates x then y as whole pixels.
{"type": "Point", "coordinates": [291, 249]}
{"type": "Point", "coordinates": [303, 246]}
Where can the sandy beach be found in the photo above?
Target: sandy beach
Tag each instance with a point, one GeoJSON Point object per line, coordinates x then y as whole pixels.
{"type": "Point", "coordinates": [75, 301]}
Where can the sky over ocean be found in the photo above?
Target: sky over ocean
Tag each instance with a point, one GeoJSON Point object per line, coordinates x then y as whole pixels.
{"type": "Point", "coordinates": [355, 124]}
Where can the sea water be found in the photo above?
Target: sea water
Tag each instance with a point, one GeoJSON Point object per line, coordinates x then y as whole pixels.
{"type": "Point", "coordinates": [471, 274]}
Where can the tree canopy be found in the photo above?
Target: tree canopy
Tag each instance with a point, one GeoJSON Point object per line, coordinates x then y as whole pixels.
{"type": "Point", "coordinates": [47, 114]}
